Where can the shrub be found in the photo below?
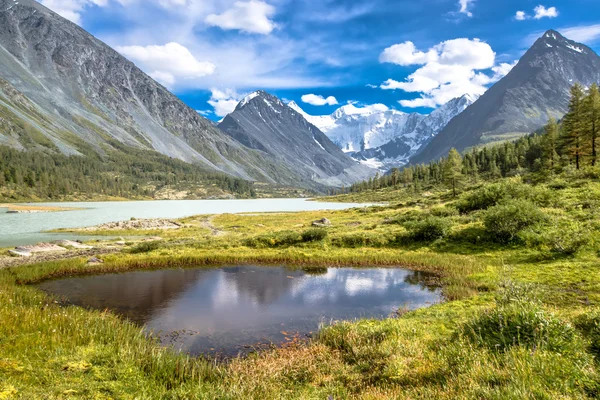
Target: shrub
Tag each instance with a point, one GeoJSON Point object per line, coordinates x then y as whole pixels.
{"type": "Point", "coordinates": [496, 193]}
{"type": "Point", "coordinates": [361, 240]}
{"type": "Point", "coordinates": [400, 219]}
{"type": "Point", "coordinates": [568, 240]}
{"type": "Point", "coordinates": [589, 325]}
{"type": "Point", "coordinates": [520, 324]}
{"type": "Point", "coordinates": [145, 247]}
{"type": "Point", "coordinates": [314, 235]}
{"type": "Point", "coordinates": [278, 239]}
{"type": "Point", "coordinates": [443, 212]}
{"type": "Point", "coordinates": [429, 229]}
{"type": "Point", "coordinates": [505, 221]}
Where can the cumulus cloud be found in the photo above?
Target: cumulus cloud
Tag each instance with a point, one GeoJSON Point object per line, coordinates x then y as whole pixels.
{"type": "Point", "coordinates": [464, 7]}
{"type": "Point", "coordinates": [248, 16]}
{"type": "Point", "coordinates": [72, 9]}
{"type": "Point", "coordinates": [521, 16]}
{"type": "Point", "coordinates": [317, 100]}
{"type": "Point", "coordinates": [168, 63]}
{"type": "Point", "coordinates": [224, 101]}
{"type": "Point", "coordinates": [449, 70]}
{"type": "Point", "coordinates": [406, 54]}
{"type": "Point", "coordinates": [543, 12]}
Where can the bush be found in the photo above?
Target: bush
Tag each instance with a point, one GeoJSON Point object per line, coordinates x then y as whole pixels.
{"type": "Point", "coordinates": [360, 240]}
{"type": "Point", "coordinates": [429, 229]}
{"type": "Point", "coordinates": [314, 235]}
{"type": "Point", "coordinates": [505, 221]}
{"type": "Point", "coordinates": [400, 219]}
{"type": "Point", "coordinates": [521, 324]}
{"type": "Point", "coordinates": [145, 247]}
{"type": "Point", "coordinates": [497, 193]}
{"type": "Point", "coordinates": [443, 212]}
{"type": "Point", "coordinates": [278, 239]}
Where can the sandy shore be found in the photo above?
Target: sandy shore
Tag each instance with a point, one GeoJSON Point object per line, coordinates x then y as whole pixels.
{"type": "Point", "coordinates": [27, 208]}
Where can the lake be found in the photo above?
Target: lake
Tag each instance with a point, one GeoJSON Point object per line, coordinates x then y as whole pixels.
{"type": "Point", "coordinates": [22, 229]}
{"type": "Point", "coordinates": [229, 310]}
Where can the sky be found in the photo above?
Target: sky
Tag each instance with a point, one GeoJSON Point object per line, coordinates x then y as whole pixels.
{"type": "Point", "coordinates": [406, 55]}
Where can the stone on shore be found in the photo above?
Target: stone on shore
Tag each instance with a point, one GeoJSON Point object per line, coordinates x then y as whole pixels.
{"type": "Point", "coordinates": [322, 223]}
{"type": "Point", "coordinates": [73, 244]}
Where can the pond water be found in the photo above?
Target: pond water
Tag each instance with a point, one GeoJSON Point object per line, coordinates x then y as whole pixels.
{"type": "Point", "coordinates": [229, 310]}
{"type": "Point", "coordinates": [21, 229]}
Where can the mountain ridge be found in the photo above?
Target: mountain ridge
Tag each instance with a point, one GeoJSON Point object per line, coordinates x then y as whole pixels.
{"type": "Point", "coordinates": [536, 89]}
{"type": "Point", "coordinates": [262, 121]}
{"type": "Point", "coordinates": [383, 137]}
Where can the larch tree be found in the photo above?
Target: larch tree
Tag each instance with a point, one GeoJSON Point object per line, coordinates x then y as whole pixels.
{"type": "Point", "coordinates": [572, 138]}
{"type": "Point", "coordinates": [591, 111]}
{"type": "Point", "coordinates": [452, 170]}
{"type": "Point", "coordinates": [550, 144]}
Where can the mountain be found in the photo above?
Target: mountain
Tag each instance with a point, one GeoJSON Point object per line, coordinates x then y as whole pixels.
{"type": "Point", "coordinates": [63, 91]}
{"type": "Point", "coordinates": [263, 122]}
{"type": "Point", "coordinates": [536, 89]}
{"type": "Point", "coordinates": [381, 137]}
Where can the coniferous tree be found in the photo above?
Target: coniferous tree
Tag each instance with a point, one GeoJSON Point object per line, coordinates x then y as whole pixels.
{"type": "Point", "coordinates": [573, 142]}
{"type": "Point", "coordinates": [453, 170]}
{"type": "Point", "coordinates": [550, 145]}
{"type": "Point", "coordinates": [591, 116]}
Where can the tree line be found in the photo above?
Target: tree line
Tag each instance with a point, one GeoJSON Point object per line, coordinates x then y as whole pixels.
{"type": "Point", "coordinates": [127, 172]}
{"type": "Point", "coordinates": [572, 143]}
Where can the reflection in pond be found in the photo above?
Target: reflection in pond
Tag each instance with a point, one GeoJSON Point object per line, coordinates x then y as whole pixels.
{"type": "Point", "coordinates": [222, 309]}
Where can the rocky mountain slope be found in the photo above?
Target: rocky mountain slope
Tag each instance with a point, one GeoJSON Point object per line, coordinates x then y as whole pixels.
{"type": "Point", "coordinates": [64, 91]}
{"type": "Point", "coordinates": [536, 89]}
{"type": "Point", "coordinates": [263, 122]}
{"type": "Point", "coordinates": [381, 137]}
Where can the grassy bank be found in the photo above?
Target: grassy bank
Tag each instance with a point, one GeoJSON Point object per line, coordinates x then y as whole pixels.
{"type": "Point", "coordinates": [522, 320]}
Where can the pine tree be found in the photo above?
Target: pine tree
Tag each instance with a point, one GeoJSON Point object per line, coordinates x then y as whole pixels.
{"type": "Point", "coordinates": [550, 144]}
{"type": "Point", "coordinates": [592, 120]}
{"type": "Point", "coordinates": [452, 170]}
{"type": "Point", "coordinates": [573, 126]}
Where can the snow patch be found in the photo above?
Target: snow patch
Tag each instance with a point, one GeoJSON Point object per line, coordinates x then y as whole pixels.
{"type": "Point", "coordinates": [247, 99]}
{"type": "Point", "coordinates": [372, 163]}
{"type": "Point", "coordinates": [271, 105]}
{"type": "Point", "coordinates": [575, 48]}
{"type": "Point", "coordinates": [317, 142]}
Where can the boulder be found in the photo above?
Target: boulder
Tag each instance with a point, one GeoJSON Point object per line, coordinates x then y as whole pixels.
{"type": "Point", "coordinates": [40, 248]}
{"type": "Point", "coordinates": [322, 222]}
{"type": "Point", "coordinates": [19, 253]}
{"type": "Point", "coordinates": [71, 243]}
{"type": "Point", "coordinates": [95, 260]}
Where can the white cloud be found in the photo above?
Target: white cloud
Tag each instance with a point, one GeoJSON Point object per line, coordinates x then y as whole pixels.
{"type": "Point", "coordinates": [543, 12]}
{"type": "Point", "coordinates": [168, 63]}
{"type": "Point", "coordinates": [521, 16]}
{"type": "Point", "coordinates": [451, 69]}
{"type": "Point", "coordinates": [585, 34]}
{"type": "Point", "coordinates": [406, 54]}
{"type": "Point", "coordinates": [464, 7]}
{"type": "Point", "coordinates": [370, 85]}
{"type": "Point", "coordinates": [248, 16]}
{"type": "Point", "coordinates": [353, 107]}
{"type": "Point", "coordinates": [72, 9]}
{"type": "Point", "coordinates": [224, 101]}
{"type": "Point", "coordinates": [317, 100]}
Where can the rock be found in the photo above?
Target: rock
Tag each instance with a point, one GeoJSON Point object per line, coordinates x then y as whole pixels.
{"type": "Point", "coordinates": [141, 224]}
{"type": "Point", "coordinates": [71, 243]}
{"type": "Point", "coordinates": [19, 253]}
{"type": "Point", "coordinates": [120, 243]}
{"type": "Point", "coordinates": [95, 260]}
{"type": "Point", "coordinates": [322, 222]}
{"type": "Point", "coordinates": [355, 223]}
{"type": "Point", "coordinates": [40, 248]}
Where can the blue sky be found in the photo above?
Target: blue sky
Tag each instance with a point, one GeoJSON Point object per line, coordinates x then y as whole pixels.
{"type": "Point", "coordinates": [409, 55]}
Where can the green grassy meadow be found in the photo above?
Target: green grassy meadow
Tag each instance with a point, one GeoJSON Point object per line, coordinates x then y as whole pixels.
{"type": "Point", "coordinates": [519, 266]}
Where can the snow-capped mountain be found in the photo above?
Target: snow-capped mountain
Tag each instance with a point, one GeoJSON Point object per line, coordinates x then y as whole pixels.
{"type": "Point", "coordinates": [536, 89]}
{"type": "Point", "coordinates": [380, 137]}
{"type": "Point", "coordinates": [264, 123]}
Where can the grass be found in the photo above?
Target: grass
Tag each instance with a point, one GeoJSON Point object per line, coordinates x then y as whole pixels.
{"type": "Point", "coordinates": [521, 320]}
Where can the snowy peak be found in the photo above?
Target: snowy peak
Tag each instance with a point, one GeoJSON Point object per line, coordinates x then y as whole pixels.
{"type": "Point", "coordinates": [261, 96]}
{"type": "Point", "coordinates": [379, 136]}
{"type": "Point", "coordinates": [554, 40]}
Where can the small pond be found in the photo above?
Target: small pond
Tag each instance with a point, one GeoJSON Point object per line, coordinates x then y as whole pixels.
{"type": "Point", "coordinates": [232, 310]}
